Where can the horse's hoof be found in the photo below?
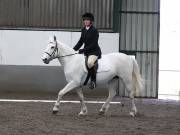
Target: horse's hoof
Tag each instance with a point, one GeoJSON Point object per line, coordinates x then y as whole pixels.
{"type": "Point", "coordinates": [82, 114]}
{"type": "Point", "coordinates": [54, 112]}
{"type": "Point", "coordinates": [101, 112]}
{"type": "Point", "coordinates": [132, 114]}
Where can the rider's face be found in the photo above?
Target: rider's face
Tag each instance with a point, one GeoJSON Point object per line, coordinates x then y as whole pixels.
{"type": "Point", "coordinates": [87, 23]}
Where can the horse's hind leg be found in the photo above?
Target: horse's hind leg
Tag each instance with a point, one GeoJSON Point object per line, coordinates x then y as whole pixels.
{"type": "Point", "coordinates": [84, 110]}
{"type": "Point", "coordinates": [112, 93]}
{"type": "Point", "coordinates": [131, 90]}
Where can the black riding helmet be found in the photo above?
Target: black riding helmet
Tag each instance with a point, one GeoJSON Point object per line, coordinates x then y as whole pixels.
{"type": "Point", "coordinates": [88, 16]}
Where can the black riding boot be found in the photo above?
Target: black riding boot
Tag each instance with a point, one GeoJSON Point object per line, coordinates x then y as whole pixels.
{"type": "Point", "coordinates": [93, 71]}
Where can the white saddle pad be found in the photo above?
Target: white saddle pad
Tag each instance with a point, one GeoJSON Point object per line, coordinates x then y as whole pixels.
{"type": "Point", "coordinates": [103, 65]}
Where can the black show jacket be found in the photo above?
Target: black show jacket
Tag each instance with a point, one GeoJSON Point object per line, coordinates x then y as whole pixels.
{"type": "Point", "coordinates": [90, 39]}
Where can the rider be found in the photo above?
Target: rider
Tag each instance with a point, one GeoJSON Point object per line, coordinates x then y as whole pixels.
{"type": "Point", "coordinates": [92, 51]}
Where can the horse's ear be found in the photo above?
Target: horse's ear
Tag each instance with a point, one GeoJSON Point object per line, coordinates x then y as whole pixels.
{"type": "Point", "coordinates": [54, 38]}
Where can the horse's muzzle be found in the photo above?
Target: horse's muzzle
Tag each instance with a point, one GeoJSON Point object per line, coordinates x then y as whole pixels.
{"type": "Point", "coordinates": [45, 60]}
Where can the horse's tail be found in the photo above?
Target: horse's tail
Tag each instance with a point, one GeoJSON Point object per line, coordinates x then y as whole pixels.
{"type": "Point", "coordinates": [138, 82]}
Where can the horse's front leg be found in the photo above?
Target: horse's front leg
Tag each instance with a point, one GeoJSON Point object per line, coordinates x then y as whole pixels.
{"type": "Point", "coordinates": [84, 110]}
{"type": "Point", "coordinates": [70, 86]}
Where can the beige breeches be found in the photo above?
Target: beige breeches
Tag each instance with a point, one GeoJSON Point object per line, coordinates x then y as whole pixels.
{"type": "Point", "coordinates": [91, 60]}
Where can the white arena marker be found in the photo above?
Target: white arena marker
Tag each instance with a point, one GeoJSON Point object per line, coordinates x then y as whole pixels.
{"type": "Point", "coordinates": [53, 101]}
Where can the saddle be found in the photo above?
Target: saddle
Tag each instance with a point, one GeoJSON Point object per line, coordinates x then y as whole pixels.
{"type": "Point", "coordinates": [100, 65]}
{"type": "Point", "coordinates": [103, 65]}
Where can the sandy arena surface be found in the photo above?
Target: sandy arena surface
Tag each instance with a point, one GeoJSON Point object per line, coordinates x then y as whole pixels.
{"type": "Point", "coordinates": [155, 117]}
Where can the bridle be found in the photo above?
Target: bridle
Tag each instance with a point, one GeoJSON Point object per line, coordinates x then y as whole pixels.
{"type": "Point", "coordinates": [56, 50]}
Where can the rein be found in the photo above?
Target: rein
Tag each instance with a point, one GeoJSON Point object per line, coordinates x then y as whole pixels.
{"type": "Point", "coordinates": [67, 55]}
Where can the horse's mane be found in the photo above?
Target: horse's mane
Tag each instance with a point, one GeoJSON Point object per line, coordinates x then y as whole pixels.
{"type": "Point", "coordinates": [66, 47]}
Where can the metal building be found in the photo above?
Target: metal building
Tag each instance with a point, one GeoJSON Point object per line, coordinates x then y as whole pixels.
{"type": "Point", "coordinates": [53, 14]}
{"type": "Point", "coordinates": [139, 36]}
{"type": "Point", "coordinates": [136, 21]}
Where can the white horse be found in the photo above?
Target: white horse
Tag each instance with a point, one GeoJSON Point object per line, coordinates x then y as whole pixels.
{"type": "Point", "coordinates": [120, 65]}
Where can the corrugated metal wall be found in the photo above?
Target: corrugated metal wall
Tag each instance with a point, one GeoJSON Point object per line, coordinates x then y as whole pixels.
{"type": "Point", "coordinates": [138, 25]}
{"type": "Point", "coordinates": [139, 35]}
{"type": "Point", "coordinates": [63, 14]}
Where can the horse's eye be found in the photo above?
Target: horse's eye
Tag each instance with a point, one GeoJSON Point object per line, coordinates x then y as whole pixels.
{"type": "Point", "coordinates": [52, 47]}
